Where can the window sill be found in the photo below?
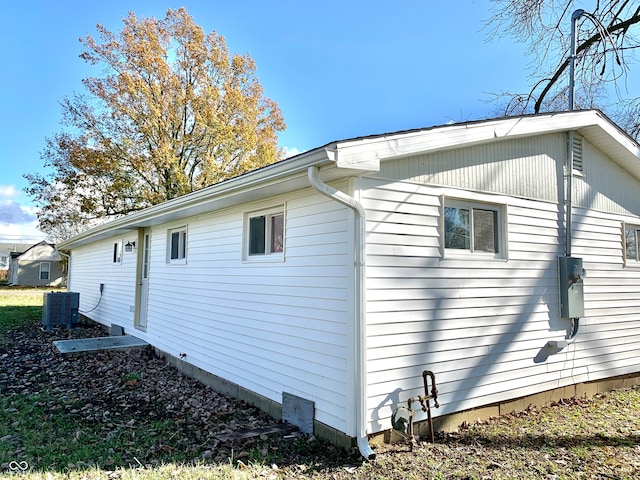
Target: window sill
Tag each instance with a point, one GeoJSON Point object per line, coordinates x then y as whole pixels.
{"type": "Point", "coordinates": [473, 257]}
{"type": "Point", "coordinates": [272, 258]}
{"type": "Point", "coordinates": [177, 262]}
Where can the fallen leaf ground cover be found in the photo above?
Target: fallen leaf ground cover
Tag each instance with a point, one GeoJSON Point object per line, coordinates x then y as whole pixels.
{"type": "Point", "coordinates": [129, 415]}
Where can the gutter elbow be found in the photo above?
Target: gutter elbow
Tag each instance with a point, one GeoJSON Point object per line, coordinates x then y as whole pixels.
{"type": "Point", "coordinates": [365, 448]}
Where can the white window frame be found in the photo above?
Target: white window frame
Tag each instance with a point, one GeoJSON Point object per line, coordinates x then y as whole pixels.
{"type": "Point", "coordinates": [268, 255]}
{"type": "Point", "coordinates": [182, 247]}
{"type": "Point", "coordinates": [117, 253]}
{"type": "Point", "coordinates": [635, 262]}
{"type": "Point", "coordinates": [47, 270]}
{"type": "Point", "coordinates": [499, 229]}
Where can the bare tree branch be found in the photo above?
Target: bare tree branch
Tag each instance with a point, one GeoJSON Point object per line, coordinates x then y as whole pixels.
{"type": "Point", "coordinates": [605, 53]}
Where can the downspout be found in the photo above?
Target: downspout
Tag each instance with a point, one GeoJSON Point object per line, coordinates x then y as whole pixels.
{"type": "Point", "coordinates": [360, 305]}
{"type": "Point", "coordinates": [68, 257]}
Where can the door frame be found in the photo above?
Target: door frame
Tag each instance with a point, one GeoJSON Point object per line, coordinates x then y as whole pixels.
{"type": "Point", "coordinates": [144, 248]}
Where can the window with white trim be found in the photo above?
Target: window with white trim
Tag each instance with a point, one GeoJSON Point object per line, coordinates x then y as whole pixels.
{"type": "Point", "coordinates": [264, 234]}
{"type": "Point", "coordinates": [631, 243]}
{"type": "Point", "coordinates": [117, 252]}
{"type": "Point", "coordinates": [45, 270]}
{"type": "Point", "coordinates": [471, 227]}
{"type": "Point", "coordinates": [177, 245]}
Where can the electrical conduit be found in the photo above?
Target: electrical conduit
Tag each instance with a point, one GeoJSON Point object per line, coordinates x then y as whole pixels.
{"type": "Point", "coordinates": [360, 305]}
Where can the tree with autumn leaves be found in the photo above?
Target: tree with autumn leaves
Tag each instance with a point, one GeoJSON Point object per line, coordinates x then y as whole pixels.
{"type": "Point", "coordinates": [174, 112]}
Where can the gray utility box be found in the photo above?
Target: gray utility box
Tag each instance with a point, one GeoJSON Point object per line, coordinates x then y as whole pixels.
{"type": "Point", "coordinates": [60, 308]}
{"type": "Point", "coordinates": [571, 276]}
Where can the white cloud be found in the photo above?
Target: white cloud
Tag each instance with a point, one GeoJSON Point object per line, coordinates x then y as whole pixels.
{"type": "Point", "coordinates": [290, 152]}
{"type": "Point", "coordinates": [8, 193]}
{"type": "Point", "coordinates": [14, 213]}
{"type": "Point", "coordinates": [18, 223]}
{"type": "Point", "coordinates": [21, 233]}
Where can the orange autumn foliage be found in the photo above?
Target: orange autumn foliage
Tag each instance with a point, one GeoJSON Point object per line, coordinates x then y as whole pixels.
{"type": "Point", "coordinates": [174, 112]}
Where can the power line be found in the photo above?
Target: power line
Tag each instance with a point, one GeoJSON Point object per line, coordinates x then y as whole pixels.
{"type": "Point", "coordinates": [20, 238]}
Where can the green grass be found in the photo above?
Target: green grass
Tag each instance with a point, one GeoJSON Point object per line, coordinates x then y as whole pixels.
{"type": "Point", "coordinates": [52, 432]}
{"type": "Point", "coordinates": [19, 307]}
{"type": "Point", "coordinates": [167, 471]}
{"type": "Point", "coordinates": [44, 428]}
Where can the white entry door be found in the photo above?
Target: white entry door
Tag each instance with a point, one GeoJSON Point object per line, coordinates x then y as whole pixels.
{"type": "Point", "coordinates": [144, 280]}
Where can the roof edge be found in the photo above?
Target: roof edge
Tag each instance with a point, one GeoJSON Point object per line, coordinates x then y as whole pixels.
{"type": "Point", "coordinates": [457, 135]}
{"type": "Point", "coordinates": [365, 153]}
{"type": "Point", "coordinates": [283, 168]}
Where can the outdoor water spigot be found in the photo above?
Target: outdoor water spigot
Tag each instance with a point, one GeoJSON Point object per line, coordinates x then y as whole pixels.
{"type": "Point", "coordinates": [402, 417]}
{"type": "Point", "coordinates": [434, 390]}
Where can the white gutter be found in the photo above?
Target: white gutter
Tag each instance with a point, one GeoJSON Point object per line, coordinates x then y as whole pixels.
{"type": "Point", "coordinates": [360, 318]}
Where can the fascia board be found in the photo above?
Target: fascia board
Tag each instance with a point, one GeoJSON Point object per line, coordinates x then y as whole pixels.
{"type": "Point", "coordinates": [367, 150]}
{"type": "Point", "coordinates": [366, 153]}
{"type": "Point", "coordinates": [615, 143]}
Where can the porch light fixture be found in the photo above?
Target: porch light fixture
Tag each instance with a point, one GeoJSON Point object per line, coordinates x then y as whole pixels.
{"type": "Point", "coordinates": [129, 246]}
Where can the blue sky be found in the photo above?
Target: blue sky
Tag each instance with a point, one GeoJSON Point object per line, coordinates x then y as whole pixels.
{"type": "Point", "coordinates": [336, 69]}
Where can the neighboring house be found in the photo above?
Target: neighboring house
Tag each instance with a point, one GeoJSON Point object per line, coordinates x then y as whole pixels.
{"type": "Point", "coordinates": [6, 249]}
{"type": "Point", "coordinates": [340, 274]}
{"type": "Point", "coordinates": [40, 265]}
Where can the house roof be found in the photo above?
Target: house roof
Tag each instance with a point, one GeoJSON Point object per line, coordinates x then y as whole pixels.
{"type": "Point", "coordinates": [354, 156]}
{"type": "Point", "coordinates": [9, 247]}
{"type": "Point", "coordinates": [31, 252]}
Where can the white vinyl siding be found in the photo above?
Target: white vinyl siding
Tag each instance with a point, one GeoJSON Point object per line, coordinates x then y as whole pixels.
{"type": "Point", "coordinates": [92, 265]}
{"type": "Point", "coordinates": [605, 186]}
{"type": "Point", "coordinates": [480, 323]}
{"type": "Point", "coordinates": [269, 327]}
{"type": "Point", "coordinates": [525, 167]}
{"type": "Point", "coordinates": [609, 342]}
{"type": "Point", "coordinates": [482, 326]}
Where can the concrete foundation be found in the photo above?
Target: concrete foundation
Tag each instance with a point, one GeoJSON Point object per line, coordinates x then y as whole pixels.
{"type": "Point", "coordinates": [452, 422]}
{"type": "Point", "coordinates": [445, 423]}
{"type": "Point", "coordinates": [274, 409]}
